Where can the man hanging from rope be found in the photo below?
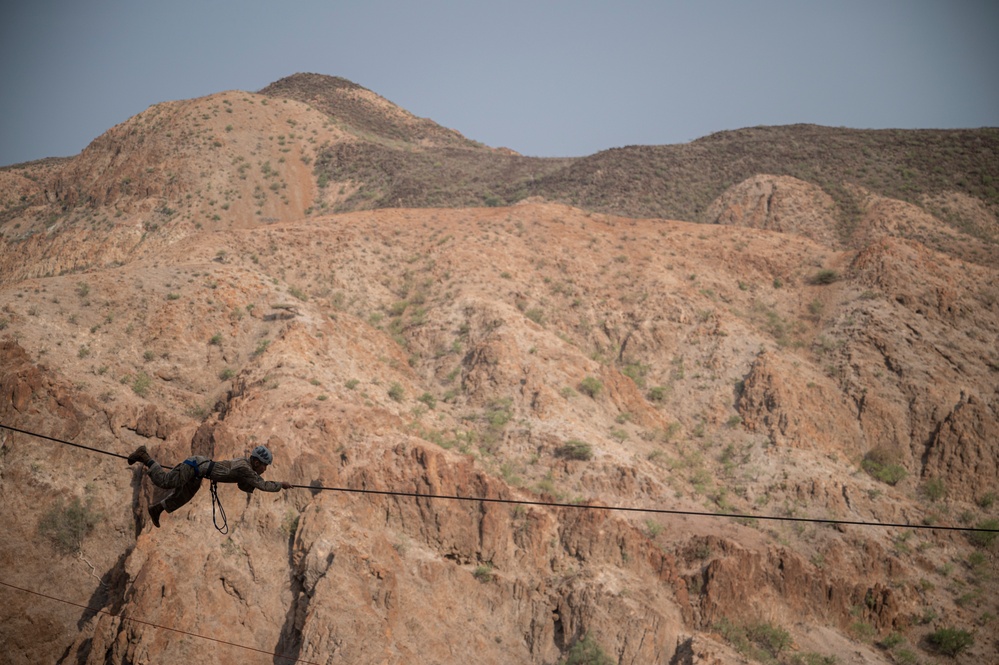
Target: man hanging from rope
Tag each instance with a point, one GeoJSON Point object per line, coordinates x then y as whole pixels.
{"type": "Point", "coordinates": [185, 479]}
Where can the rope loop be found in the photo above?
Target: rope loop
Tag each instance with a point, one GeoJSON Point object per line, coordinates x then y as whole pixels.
{"type": "Point", "coordinates": [224, 529]}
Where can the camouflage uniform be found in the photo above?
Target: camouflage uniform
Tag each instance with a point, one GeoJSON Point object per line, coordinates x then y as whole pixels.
{"type": "Point", "coordinates": [186, 481]}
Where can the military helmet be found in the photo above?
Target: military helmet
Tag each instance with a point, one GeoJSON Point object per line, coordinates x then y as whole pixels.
{"type": "Point", "coordinates": [263, 454]}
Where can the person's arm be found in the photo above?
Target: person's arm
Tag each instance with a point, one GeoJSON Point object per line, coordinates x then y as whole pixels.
{"type": "Point", "coordinates": [248, 480]}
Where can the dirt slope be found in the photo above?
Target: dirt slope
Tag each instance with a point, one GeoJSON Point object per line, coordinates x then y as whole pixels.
{"type": "Point", "coordinates": [761, 365]}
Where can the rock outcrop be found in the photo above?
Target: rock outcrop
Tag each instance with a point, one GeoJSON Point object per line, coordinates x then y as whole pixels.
{"type": "Point", "coordinates": [652, 438]}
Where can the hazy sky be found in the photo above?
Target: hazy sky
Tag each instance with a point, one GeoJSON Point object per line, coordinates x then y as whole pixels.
{"type": "Point", "coordinates": [545, 78]}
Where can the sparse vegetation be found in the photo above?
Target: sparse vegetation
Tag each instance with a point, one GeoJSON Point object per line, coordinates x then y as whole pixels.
{"type": "Point", "coordinates": [883, 465]}
{"type": "Point", "coordinates": [141, 383]}
{"type": "Point", "coordinates": [66, 525]}
{"type": "Point", "coordinates": [575, 450]}
{"type": "Point", "coordinates": [535, 314]}
{"type": "Point", "coordinates": [586, 652]}
{"type": "Point", "coordinates": [590, 386]}
{"type": "Point", "coordinates": [812, 658]}
{"type": "Point", "coordinates": [692, 175]}
{"type": "Point", "coordinates": [934, 489]}
{"type": "Point", "coordinates": [636, 372]}
{"type": "Point", "coordinates": [289, 525]}
{"type": "Point", "coordinates": [454, 294]}
{"type": "Point", "coordinates": [987, 537]}
{"type": "Point", "coordinates": [761, 641]}
{"type": "Point", "coordinates": [825, 276]}
{"type": "Point", "coordinates": [950, 641]}
{"type": "Point", "coordinates": [658, 393]}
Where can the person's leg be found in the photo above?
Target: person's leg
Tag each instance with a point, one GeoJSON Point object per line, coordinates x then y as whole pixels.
{"type": "Point", "coordinates": [179, 496]}
{"type": "Point", "coordinates": [182, 479]}
{"type": "Point", "coordinates": [182, 494]}
{"type": "Point", "coordinates": [175, 478]}
{"type": "Point", "coordinates": [167, 480]}
{"type": "Point", "coordinates": [140, 455]}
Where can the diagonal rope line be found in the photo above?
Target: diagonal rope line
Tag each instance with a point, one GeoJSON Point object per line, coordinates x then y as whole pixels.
{"type": "Point", "coordinates": [68, 443]}
{"type": "Point", "coordinates": [156, 625]}
{"type": "Point", "coordinates": [580, 506]}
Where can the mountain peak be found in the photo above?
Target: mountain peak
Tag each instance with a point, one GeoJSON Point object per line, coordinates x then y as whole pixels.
{"type": "Point", "coordinates": [309, 80]}
{"type": "Point", "coordinates": [361, 111]}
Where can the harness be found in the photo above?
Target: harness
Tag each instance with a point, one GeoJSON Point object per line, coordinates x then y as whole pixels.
{"type": "Point", "coordinates": [197, 469]}
{"type": "Point", "coordinates": [214, 491]}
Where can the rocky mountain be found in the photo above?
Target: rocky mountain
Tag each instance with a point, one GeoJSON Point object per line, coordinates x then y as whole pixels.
{"type": "Point", "coordinates": [793, 322]}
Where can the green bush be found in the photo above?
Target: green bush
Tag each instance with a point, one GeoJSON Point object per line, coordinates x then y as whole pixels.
{"type": "Point", "coordinates": [140, 386]}
{"type": "Point", "coordinates": [587, 652]}
{"type": "Point", "coordinates": [934, 489]}
{"type": "Point", "coordinates": [396, 392]}
{"type": "Point", "coordinates": [772, 639]}
{"type": "Point", "coordinates": [812, 658]}
{"type": "Point", "coordinates": [984, 538]}
{"type": "Point", "coordinates": [881, 465]}
{"type": "Point", "coordinates": [657, 393]}
{"type": "Point", "coordinates": [590, 386]}
{"type": "Point", "coordinates": [825, 277]}
{"type": "Point", "coordinates": [498, 414]}
{"type": "Point", "coordinates": [636, 372]}
{"type": "Point", "coordinates": [67, 525]}
{"type": "Point", "coordinates": [760, 641]}
{"type": "Point", "coordinates": [575, 449]}
{"type": "Point", "coordinates": [950, 641]}
{"type": "Point", "coordinates": [535, 314]}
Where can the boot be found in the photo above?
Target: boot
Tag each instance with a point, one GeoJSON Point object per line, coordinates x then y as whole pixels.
{"type": "Point", "coordinates": [154, 512]}
{"type": "Point", "coordinates": [140, 455]}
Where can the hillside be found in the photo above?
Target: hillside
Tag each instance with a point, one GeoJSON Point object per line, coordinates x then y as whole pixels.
{"type": "Point", "coordinates": [824, 348]}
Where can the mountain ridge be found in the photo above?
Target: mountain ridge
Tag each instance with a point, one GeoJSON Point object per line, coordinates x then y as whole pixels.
{"type": "Point", "coordinates": [224, 272]}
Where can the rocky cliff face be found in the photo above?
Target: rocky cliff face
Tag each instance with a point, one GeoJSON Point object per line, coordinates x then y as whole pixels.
{"type": "Point", "coordinates": [538, 352]}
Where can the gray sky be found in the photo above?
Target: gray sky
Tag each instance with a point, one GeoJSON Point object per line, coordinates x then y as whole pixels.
{"type": "Point", "coordinates": [545, 78]}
